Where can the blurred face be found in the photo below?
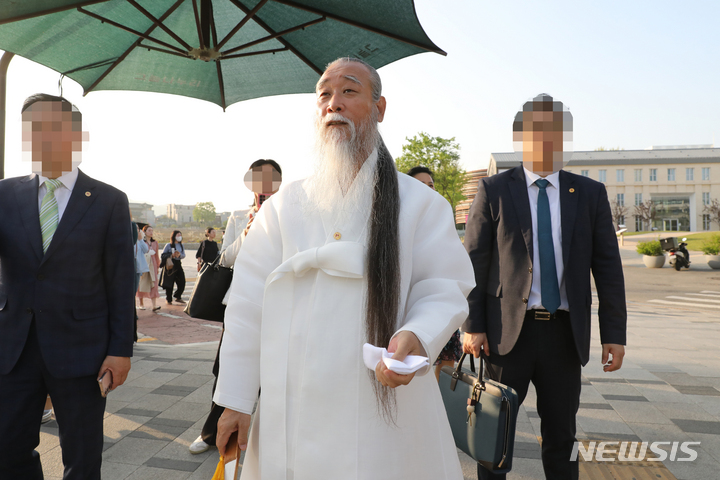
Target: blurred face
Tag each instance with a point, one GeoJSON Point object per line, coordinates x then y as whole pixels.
{"type": "Point", "coordinates": [426, 179]}
{"type": "Point", "coordinates": [212, 235]}
{"type": "Point", "coordinates": [263, 180]}
{"type": "Point", "coordinates": [178, 237]}
{"type": "Point", "coordinates": [149, 232]}
{"type": "Point", "coordinates": [542, 142]}
{"type": "Point", "coordinates": [51, 139]}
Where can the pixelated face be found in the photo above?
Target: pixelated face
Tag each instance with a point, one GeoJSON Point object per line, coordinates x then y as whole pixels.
{"type": "Point", "coordinates": [426, 179]}
{"type": "Point", "coordinates": [52, 138]}
{"type": "Point", "coordinates": [545, 139]}
{"type": "Point", "coordinates": [345, 89]}
{"type": "Point", "coordinates": [263, 180]}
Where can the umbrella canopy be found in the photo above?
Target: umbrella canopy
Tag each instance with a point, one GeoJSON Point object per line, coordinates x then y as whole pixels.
{"type": "Point", "coordinates": [222, 51]}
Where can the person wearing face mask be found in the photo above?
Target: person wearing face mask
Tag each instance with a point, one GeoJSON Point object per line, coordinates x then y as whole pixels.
{"type": "Point", "coordinates": [175, 275]}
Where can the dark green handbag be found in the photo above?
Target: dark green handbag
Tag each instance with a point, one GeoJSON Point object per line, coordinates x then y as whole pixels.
{"type": "Point", "coordinates": [482, 414]}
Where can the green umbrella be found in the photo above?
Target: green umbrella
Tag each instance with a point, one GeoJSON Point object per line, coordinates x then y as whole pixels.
{"type": "Point", "coordinates": [222, 51]}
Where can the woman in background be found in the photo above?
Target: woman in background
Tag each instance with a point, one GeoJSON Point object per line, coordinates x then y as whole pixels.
{"type": "Point", "coordinates": [175, 275]}
{"type": "Point", "coordinates": [153, 247]}
{"type": "Point", "coordinates": [208, 248]}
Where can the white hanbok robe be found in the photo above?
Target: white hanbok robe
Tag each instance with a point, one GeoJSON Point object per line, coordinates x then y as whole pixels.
{"type": "Point", "coordinates": [294, 326]}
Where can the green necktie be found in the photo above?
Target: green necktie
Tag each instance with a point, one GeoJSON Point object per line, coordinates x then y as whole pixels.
{"type": "Point", "coordinates": [49, 213]}
{"type": "Point", "coordinates": [549, 291]}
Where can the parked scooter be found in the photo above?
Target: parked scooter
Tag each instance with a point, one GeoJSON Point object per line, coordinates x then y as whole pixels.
{"type": "Point", "coordinates": [679, 256]}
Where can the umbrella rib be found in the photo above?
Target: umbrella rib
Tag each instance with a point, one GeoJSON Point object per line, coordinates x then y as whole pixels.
{"type": "Point", "coordinates": [221, 84]}
{"type": "Point", "coordinates": [354, 23]}
{"type": "Point", "coordinates": [150, 47]}
{"type": "Point", "coordinates": [250, 54]}
{"type": "Point", "coordinates": [130, 30]}
{"type": "Point", "coordinates": [274, 35]}
{"type": "Point", "coordinates": [49, 11]}
{"type": "Point", "coordinates": [127, 52]}
{"type": "Point", "coordinates": [197, 24]}
{"type": "Point", "coordinates": [242, 23]}
{"type": "Point", "coordinates": [294, 50]}
{"type": "Point", "coordinates": [159, 24]}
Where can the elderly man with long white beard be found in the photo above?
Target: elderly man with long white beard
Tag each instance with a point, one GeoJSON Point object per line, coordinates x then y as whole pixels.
{"type": "Point", "coordinates": [355, 254]}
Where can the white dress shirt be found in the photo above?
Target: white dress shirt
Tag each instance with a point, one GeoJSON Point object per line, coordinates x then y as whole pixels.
{"type": "Point", "coordinates": [62, 192]}
{"type": "Point", "coordinates": [553, 193]}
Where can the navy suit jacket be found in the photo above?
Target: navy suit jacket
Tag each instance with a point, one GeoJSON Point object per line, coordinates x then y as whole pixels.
{"type": "Point", "coordinates": [499, 240]}
{"type": "Point", "coordinates": [80, 291]}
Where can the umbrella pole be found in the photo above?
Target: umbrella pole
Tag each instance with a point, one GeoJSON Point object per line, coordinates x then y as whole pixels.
{"type": "Point", "coordinates": [4, 63]}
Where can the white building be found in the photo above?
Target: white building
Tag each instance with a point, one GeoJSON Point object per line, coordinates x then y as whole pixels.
{"type": "Point", "coordinates": [679, 181]}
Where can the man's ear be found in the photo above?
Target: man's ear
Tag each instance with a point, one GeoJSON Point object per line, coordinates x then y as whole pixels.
{"type": "Point", "coordinates": [381, 104]}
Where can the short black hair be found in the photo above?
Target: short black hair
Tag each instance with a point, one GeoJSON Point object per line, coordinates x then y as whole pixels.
{"type": "Point", "coordinates": [67, 106]}
{"type": "Point", "coordinates": [266, 161]}
{"type": "Point", "coordinates": [208, 231]}
{"type": "Point", "coordinates": [419, 169]}
{"type": "Point", "coordinates": [562, 118]}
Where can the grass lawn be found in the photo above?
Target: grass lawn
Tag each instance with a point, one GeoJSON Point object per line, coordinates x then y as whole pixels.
{"type": "Point", "coordinates": [696, 240]}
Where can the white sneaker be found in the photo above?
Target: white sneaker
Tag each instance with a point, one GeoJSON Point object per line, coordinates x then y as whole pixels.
{"type": "Point", "coordinates": [47, 416]}
{"type": "Point", "coordinates": [198, 446]}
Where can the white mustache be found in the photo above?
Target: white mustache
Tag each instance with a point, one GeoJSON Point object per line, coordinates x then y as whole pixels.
{"type": "Point", "coordinates": [336, 117]}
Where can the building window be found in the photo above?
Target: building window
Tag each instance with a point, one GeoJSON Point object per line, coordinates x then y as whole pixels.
{"type": "Point", "coordinates": [653, 174]}
{"type": "Point", "coordinates": [706, 222]}
{"type": "Point", "coordinates": [671, 174]}
{"type": "Point", "coordinates": [585, 173]}
{"type": "Point", "coordinates": [638, 224]}
{"type": "Point", "coordinates": [638, 174]}
{"type": "Point", "coordinates": [706, 198]}
{"type": "Point", "coordinates": [620, 175]}
{"type": "Point", "coordinates": [602, 176]}
{"type": "Point", "coordinates": [621, 199]}
{"type": "Point", "coordinates": [638, 198]}
{"type": "Point", "coordinates": [706, 173]}
{"type": "Point", "coordinates": [622, 220]}
{"type": "Point", "coordinates": [689, 174]}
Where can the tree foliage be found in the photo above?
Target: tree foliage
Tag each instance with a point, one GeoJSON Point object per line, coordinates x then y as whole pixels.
{"type": "Point", "coordinates": [442, 157]}
{"type": "Point", "coordinates": [204, 213]}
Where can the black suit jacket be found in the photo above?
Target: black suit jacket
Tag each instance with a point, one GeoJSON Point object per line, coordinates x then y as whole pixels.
{"type": "Point", "coordinates": [80, 291]}
{"type": "Point", "coordinates": [499, 240]}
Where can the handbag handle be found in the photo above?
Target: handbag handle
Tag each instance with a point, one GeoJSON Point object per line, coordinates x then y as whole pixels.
{"type": "Point", "coordinates": [485, 365]}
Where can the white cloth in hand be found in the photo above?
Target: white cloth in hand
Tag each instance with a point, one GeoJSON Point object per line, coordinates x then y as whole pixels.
{"type": "Point", "coordinates": [412, 363]}
{"type": "Point", "coordinates": [151, 252]}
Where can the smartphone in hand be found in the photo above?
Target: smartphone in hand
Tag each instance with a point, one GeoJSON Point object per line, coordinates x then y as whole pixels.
{"type": "Point", "coordinates": [105, 382]}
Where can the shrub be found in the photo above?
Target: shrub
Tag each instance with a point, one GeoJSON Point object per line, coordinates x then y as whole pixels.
{"type": "Point", "coordinates": [712, 246]}
{"type": "Point", "coordinates": [651, 248]}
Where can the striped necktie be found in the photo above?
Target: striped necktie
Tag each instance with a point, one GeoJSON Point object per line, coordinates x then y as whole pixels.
{"type": "Point", "coordinates": [49, 212]}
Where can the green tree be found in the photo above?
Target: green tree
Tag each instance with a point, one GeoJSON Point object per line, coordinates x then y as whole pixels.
{"type": "Point", "coordinates": [442, 157]}
{"type": "Point", "coordinates": [204, 213]}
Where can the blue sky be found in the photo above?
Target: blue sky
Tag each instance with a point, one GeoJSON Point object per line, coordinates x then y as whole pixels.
{"type": "Point", "coordinates": [633, 73]}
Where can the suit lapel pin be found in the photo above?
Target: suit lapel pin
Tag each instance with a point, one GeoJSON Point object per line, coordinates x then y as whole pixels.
{"type": "Point", "coordinates": [572, 190]}
{"type": "Point", "coordinates": [87, 194]}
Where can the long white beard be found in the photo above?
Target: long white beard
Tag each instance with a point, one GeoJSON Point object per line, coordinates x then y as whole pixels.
{"type": "Point", "coordinates": [339, 183]}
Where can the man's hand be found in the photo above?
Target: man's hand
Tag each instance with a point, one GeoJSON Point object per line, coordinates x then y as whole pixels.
{"type": "Point", "coordinates": [474, 342]}
{"type": "Point", "coordinates": [231, 421]}
{"type": "Point", "coordinates": [119, 367]}
{"type": "Point", "coordinates": [403, 344]}
{"type": "Point", "coordinates": [614, 353]}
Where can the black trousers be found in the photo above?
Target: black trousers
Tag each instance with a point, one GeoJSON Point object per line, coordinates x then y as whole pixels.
{"type": "Point", "coordinates": [179, 280]}
{"type": "Point", "coordinates": [209, 430]}
{"type": "Point", "coordinates": [79, 409]}
{"type": "Point", "coordinates": [545, 355]}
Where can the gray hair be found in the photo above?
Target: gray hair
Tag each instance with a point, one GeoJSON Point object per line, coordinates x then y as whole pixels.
{"type": "Point", "coordinates": [375, 82]}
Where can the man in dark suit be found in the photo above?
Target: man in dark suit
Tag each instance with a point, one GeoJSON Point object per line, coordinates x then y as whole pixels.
{"type": "Point", "coordinates": [534, 235]}
{"type": "Point", "coordinates": [66, 296]}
